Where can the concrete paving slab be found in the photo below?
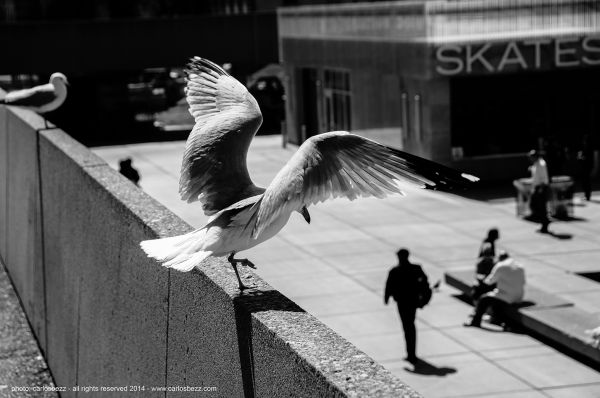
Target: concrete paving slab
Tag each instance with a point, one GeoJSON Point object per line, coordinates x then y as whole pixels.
{"type": "Point", "coordinates": [355, 246]}
{"type": "Point", "coordinates": [585, 391]}
{"type": "Point", "coordinates": [390, 347]}
{"type": "Point", "coordinates": [316, 285]}
{"type": "Point", "coordinates": [273, 252]}
{"type": "Point", "coordinates": [280, 269]}
{"type": "Point", "coordinates": [435, 254]}
{"type": "Point", "coordinates": [383, 321]}
{"type": "Point", "coordinates": [588, 301]}
{"type": "Point", "coordinates": [550, 370]}
{"type": "Point", "coordinates": [545, 244]}
{"type": "Point", "coordinates": [479, 339]}
{"type": "Point", "coordinates": [583, 261]}
{"type": "Point", "coordinates": [373, 280]}
{"type": "Point", "coordinates": [376, 261]}
{"type": "Point", "coordinates": [562, 282]}
{"type": "Point", "coordinates": [472, 376]}
{"type": "Point", "coordinates": [513, 394]}
{"type": "Point", "coordinates": [339, 304]}
{"type": "Point", "coordinates": [447, 314]}
{"type": "Point", "coordinates": [518, 352]}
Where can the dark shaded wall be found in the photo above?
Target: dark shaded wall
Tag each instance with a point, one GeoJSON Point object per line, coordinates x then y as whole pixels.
{"type": "Point", "coordinates": [88, 47]}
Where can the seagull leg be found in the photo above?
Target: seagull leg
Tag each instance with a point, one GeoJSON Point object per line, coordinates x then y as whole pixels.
{"type": "Point", "coordinates": [245, 262]}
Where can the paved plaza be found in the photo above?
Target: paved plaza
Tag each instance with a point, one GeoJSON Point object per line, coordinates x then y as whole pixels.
{"type": "Point", "coordinates": [335, 268]}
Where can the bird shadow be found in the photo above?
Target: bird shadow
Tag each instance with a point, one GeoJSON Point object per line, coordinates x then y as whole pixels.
{"type": "Point", "coordinates": [425, 368]}
{"type": "Point", "coordinates": [246, 303]}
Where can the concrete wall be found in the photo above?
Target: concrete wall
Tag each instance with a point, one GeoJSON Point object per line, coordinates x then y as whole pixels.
{"type": "Point", "coordinates": [105, 315]}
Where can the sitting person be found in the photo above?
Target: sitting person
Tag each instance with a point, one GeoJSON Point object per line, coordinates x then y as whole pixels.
{"type": "Point", "coordinates": [509, 277]}
{"type": "Point", "coordinates": [484, 266]}
{"type": "Point", "coordinates": [492, 236]}
{"type": "Point", "coordinates": [486, 261]}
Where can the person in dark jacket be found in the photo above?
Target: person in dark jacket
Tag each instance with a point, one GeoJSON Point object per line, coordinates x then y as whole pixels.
{"type": "Point", "coordinates": [492, 236]}
{"type": "Point", "coordinates": [588, 160]}
{"type": "Point", "coordinates": [402, 284]}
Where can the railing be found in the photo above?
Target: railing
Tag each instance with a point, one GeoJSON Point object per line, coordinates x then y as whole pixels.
{"type": "Point", "coordinates": [433, 21]}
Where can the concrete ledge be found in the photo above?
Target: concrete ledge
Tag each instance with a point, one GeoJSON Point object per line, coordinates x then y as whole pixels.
{"type": "Point", "coordinates": [109, 316]}
{"type": "Point", "coordinates": [545, 314]}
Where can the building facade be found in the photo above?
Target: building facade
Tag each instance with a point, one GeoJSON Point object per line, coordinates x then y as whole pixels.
{"type": "Point", "coordinates": [471, 83]}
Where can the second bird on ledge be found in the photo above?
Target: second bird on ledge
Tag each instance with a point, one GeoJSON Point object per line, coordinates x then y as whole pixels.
{"type": "Point", "coordinates": [41, 99]}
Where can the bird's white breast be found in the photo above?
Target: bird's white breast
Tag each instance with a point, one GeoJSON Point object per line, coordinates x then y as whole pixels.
{"type": "Point", "coordinates": [61, 94]}
{"type": "Point", "coordinates": [222, 241]}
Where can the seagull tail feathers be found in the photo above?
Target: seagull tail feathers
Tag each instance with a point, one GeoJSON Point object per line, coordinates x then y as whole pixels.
{"type": "Point", "coordinates": [182, 252]}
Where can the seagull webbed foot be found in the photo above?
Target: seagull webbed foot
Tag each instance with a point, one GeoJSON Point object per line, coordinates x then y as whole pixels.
{"type": "Point", "coordinates": [245, 262]}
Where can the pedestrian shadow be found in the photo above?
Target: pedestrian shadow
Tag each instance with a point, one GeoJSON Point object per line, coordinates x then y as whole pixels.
{"type": "Point", "coordinates": [425, 368]}
{"type": "Point", "coordinates": [560, 235]}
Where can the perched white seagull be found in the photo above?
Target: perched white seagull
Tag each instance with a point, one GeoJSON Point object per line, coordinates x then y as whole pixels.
{"type": "Point", "coordinates": [40, 99]}
{"type": "Point", "coordinates": [214, 172]}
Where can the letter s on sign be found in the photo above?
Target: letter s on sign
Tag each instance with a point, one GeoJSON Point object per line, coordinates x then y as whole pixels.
{"type": "Point", "coordinates": [589, 47]}
{"type": "Point", "coordinates": [443, 56]}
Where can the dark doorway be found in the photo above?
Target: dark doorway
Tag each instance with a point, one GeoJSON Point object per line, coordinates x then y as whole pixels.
{"type": "Point", "coordinates": [513, 113]}
{"type": "Point", "coordinates": [309, 118]}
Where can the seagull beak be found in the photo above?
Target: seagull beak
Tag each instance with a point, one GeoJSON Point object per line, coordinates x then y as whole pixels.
{"type": "Point", "coordinates": [305, 214]}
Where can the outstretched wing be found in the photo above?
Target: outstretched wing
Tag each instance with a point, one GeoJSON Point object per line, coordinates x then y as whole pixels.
{"type": "Point", "coordinates": [227, 117]}
{"type": "Point", "coordinates": [340, 164]}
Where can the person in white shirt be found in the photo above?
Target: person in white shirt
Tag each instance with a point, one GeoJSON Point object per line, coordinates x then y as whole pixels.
{"type": "Point", "coordinates": [540, 184]}
{"type": "Point", "coordinates": [509, 277]}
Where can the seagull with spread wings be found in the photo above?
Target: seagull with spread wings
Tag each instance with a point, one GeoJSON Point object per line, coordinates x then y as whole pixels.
{"type": "Point", "coordinates": [243, 215]}
{"type": "Point", "coordinates": [40, 99]}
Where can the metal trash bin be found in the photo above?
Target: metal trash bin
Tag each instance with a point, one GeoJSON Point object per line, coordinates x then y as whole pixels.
{"type": "Point", "coordinates": [560, 202]}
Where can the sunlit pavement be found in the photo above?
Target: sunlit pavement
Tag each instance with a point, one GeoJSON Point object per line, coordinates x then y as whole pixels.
{"type": "Point", "coordinates": [335, 268]}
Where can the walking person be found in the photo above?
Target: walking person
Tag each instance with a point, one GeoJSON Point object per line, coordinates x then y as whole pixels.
{"type": "Point", "coordinates": [541, 189]}
{"type": "Point", "coordinates": [587, 159]}
{"type": "Point", "coordinates": [405, 283]}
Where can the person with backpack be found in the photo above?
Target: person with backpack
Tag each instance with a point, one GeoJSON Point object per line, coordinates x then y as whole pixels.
{"type": "Point", "coordinates": [408, 285]}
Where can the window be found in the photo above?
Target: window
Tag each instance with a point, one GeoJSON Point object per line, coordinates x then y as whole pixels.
{"type": "Point", "coordinates": [337, 95]}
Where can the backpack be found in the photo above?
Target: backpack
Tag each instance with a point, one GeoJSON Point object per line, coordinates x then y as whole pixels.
{"type": "Point", "coordinates": [424, 291]}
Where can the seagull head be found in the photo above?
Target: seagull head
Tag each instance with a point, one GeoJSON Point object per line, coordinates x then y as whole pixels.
{"type": "Point", "coordinates": [58, 78]}
{"type": "Point", "coordinates": [305, 214]}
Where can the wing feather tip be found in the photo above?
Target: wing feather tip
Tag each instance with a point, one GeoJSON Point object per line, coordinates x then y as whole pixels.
{"type": "Point", "coordinates": [469, 177]}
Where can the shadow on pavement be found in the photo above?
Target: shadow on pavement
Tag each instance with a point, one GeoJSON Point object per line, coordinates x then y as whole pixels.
{"type": "Point", "coordinates": [561, 236]}
{"type": "Point", "coordinates": [425, 368]}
